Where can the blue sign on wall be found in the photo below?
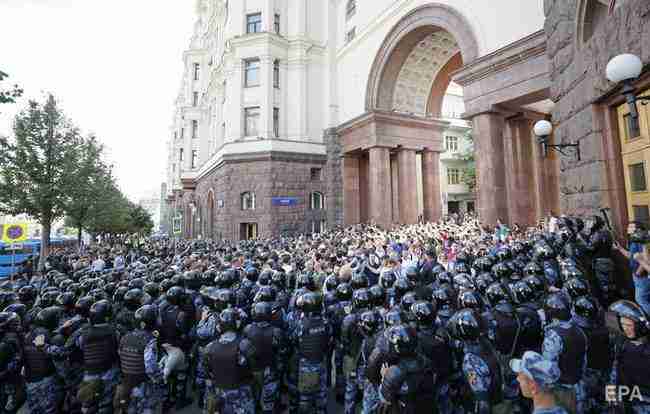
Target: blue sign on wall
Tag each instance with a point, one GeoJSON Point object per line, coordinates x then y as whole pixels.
{"type": "Point", "coordinates": [284, 201]}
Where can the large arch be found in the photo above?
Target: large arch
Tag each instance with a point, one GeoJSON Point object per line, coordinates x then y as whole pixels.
{"type": "Point", "coordinates": [406, 36]}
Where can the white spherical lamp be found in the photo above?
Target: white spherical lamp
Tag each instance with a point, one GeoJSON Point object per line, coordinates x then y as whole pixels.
{"type": "Point", "coordinates": [543, 128]}
{"type": "Point", "coordinates": [624, 67]}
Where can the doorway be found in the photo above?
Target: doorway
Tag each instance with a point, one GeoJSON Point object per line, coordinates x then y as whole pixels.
{"type": "Point", "coordinates": [247, 231]}
{"type": "Point", "coordinates": [453, 207]}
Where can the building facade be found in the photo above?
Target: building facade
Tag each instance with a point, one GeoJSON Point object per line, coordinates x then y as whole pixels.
{"type": "Point", "coordinates": [294, 116]}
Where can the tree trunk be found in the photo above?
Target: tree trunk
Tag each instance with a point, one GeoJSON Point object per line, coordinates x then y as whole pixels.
{"type": "Point", "coordinates": [79, 238]}
{"type": "Point", "coordinates": [45, 244]}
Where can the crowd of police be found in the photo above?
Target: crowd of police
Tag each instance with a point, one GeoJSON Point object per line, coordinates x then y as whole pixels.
{"type": "Point", "coordinates": [371, 315]}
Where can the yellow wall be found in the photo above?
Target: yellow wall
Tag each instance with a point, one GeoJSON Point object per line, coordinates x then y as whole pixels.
{"type": "Point", "coordinates": [633, 151]}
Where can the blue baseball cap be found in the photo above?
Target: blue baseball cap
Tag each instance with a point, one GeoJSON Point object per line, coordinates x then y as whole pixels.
{"type": "Point", "coordinates": [544, 372]}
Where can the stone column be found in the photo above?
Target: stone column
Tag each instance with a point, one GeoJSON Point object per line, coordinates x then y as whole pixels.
{"type": "Point", "coordinates": [379, 184]}
{"type": "Point", "coordinates": [407, 190]}
{"type": "Point", "coordinates": [351, 199]}
{"type": "Point", "coordinates": [394, 184]}
{"type": "Point", "coordinates": [491, 179]}
{"type": "Point", "coordinates": [431, 186]}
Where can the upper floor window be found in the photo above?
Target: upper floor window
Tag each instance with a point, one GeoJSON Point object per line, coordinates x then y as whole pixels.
{"type": "Point", "coordinates": [248, 201]}
{"type": "Point", "coordinates": [315, 174]}
{"type": "Point", "coordinates": [254, 23]}
{"type": "Point", "coordinates": [195, 129]}
{"type": "Point", "coordinates": [276, 73]}
{"type": "Point", "coordinates": [251, 72]}
{"type": "Point", "coordinates": [180, 155]}
{"type": "Point", "coordinates": [349, 36]}
{"type": "Point", "coordinates": [195, 158]}
{"type": "Point", "coordinates": [350, 9]}
{"type": "Point", "coordinates": [195, 99]}
{"type": "Point", "coordinates": [182, 133]}
{"type": "Point", "coordinates": [276, 122]}
{"type": "Point", "coordinates": [451, 143]}
{"type": "Point", "coordinates": [637, 177]}
{"type": "Point", "coordinates": [276, 24]}
{"type": "Point", "coordinates": [197, 69]}
{"type": "Point", "coordinates": [453, 176]}
{"type": "Point", "coordinates": [316, 201]}
{"type": "Point", "coordinates": [251, 121]}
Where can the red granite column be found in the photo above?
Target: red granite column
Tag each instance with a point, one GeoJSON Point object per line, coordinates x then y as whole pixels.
{"type": "Point", "coordinates": [351, 202]}
{"type": "Point", "coordinates": [491, 179]}
{"type": "Point", "coordinates": [431, 186]}
{"type": "Point", "coordinates": [407, 187]}
{"type": "Point", "coordinates": [379, 186]}
{"type": "Point", "coordinates": [394, 182]}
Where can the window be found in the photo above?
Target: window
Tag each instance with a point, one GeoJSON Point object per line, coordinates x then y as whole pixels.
{"type": "Point", "coordinates": [195, 158]}
{"type": "Point", "coordinates": [254, 23]}
{"type": "Point", "coordinates": [276, 122]}
{"type": "Point", "coordinates": [351, 9]}
{"type": "Point", "coordinates": [223, 131]}
{"type": "Point", "coordinates": [632, 127]}
{"type": "Point", "coordinates": [349, 36]}
{"type": "Point", "coordinates": [182, 133]}
{"type": "Point", "coordinates": [195, 99]}
{"type": "Point", "coordinates": [195, 128]}
{"type": "Point", "coordinates": [251, 120]}
{"type": "Point", "coordinates": [319, 226]}
{"type": "Point", "coordinates": [453, 176]}
{"type": "Point", "coordinates": [180, 155]}
{"type": "Point", "coordinates": [637, 177]}
{"type": "Point", "coordinates": [276, 24]}
{"type": "Point", "coordinates": [470, 207]}
{"type": "Point", "coordinates": [175, 134]}
{"type": "Point", "coordinates": [316, 201]}
{"type": "Point", "coordinates": [641, 214]}
{"type": "Point", "coordinates": [451, 143]}
{"type": "Point", "coordinates": [197, 68]}
{"type": "Point", "coordinates": [251, 73]}
{"type": "Point", "coordinates": [248, 201]}
{"type": "Point", "coordinates": [276, 73]}
{"type": "Point", "coordinates": [315, 174]}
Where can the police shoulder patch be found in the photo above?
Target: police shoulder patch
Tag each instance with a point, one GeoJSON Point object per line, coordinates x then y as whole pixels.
{"type": "Point", "coordinates": [472, 378]}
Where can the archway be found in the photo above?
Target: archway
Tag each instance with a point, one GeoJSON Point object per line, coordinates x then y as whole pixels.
{"type": "Point", "coordinates": [396, 144]}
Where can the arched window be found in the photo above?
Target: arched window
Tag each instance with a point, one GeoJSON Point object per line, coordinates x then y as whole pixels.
{"type": "Point", "coordinates": [350, 9]}
{"type": "Point", "coordinates": [591, 14]}
{"type": "Point", "coordinates": [316, 201]}
{"type": "Point", "coordinates": [248, 201]}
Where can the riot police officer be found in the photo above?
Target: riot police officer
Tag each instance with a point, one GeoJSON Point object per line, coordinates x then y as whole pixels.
{"type": "Point", "coordinates": [10, 358]}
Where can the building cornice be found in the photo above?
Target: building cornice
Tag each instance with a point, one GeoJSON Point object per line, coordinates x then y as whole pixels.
{"type": "Point", "coordinates": [395, 118]}
{"type": "Point", "coordinates": [519, 51]}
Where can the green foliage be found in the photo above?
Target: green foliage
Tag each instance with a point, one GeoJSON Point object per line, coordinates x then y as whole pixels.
{"type": "Point", "coordinates": [468, 175]}
{"type": "Point", "coordinates": [9, 95]}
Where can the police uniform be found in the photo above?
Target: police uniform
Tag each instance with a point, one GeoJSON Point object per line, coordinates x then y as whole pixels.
{"type": "Point", "coordinates": [44, 387]}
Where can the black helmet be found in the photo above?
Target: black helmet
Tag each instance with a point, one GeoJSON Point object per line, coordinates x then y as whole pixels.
{"type": "Point", "coordinates": [223, 299]}
{"type": "Point", "coordinates": [369, 322]}
{"type": "Point", "coordinates": [544, 252]}
{"type": "Point", "coordinates": [100, 312]}
{"type": "Point", "coordinates": [444, 297]}
{"type": "Point", "coordinates": [66, 300]}
{"type": "Point", "coordinates": [361, 299]}
{"type": "Point", "coordinates": [228, 320]}
{"type": "Point", "coordinates": [147, 315]}
{"type": "Point", "coordinates": [570, 272]}
{"type": "Point", "coordinates": [482, 264]}
{"type": "Point", "coordinates": [305, 281]}
{"type": "Point", "coordinates": [576, 287]}
{"type": "Point", "coordinates": [118, 295]}
{"type": "Point", "coordinates": [82, 306]}
{"type": "Point", "coordinates": [330, 283]}
{"type": "Point", "coordinates": [262, 312]}
{"type": "Point", "coordinates": [27, 294]}
{"type": "Point", "coordinates": [497, 293]}
{"type": "Point", "coordinates": [470, 299]}
{"type": "Point", "coordinates": [587, 307]}
{"type": "Point", "coordinates": [174, 295]}
{"type": "Point", "coordinates": [483, 281]}
{"type": "Point", "coordinates": [557, 306]}
{"type": "Point", "coordinates": [19, 308]}
{"type": "Point", "coordinates": [522, 292]}
{"type": "Point", "coordinates": [630, 310]}
{"type": "Point", "coordinates": [467, 325]}
{"type": "Point", "coordinates": [251, 274]}
{"type": "Point", "coordinates": [359, 281]}
{"type": "Point", "coordinates": [461, 267]}
{"type": "Point", "coordinates": [533, 269]}
{"type": "Point", "coordinates": [152, 289]}
{"type": "Point", "coordinates": [49, 317]}
{"type": "Point", "coordinates": [412, 273]}
{"type": "Point", "coordinates": [310, 303]}
{"type": "Point", "coordinates": [401, 286]}
{"type": "Point", "coordinates": [445, 277]}
{"type": "Point", "coordinates": [425, 313]}
{"type": "Point", "coordinates": [401, 341]}
{"type": "Point", "coordinates": [344, 292]}
{"type": "Point", "coordinates": [536, 284]}
{"type": "Point", "coordinates": [279, 280]}
{"type": "Point", "coordinates": [407, 301]}
{"type": "Point", "coordinates": [265, 278]}
{"type": "Point", "coordinates": [393, 317]}
{"type": "Point", "coordinates": [503, 254]}
{"type": "Point", "coordinates": [48, 298]}
{"type": "Point", "coordinates": [265, 294]}
{"type": "Point", "coordinates": [134, 298]}
{"type": "Point", "coordinates": [501, 270]}
{"type": "Point", "coordinates": [464, 281]}
{"type": "Point", "coordinates": [377, 295]}
{"type": "Point", "coordinates": [387, 278]}
{"type": "Point", "coordinates": [9, 322]}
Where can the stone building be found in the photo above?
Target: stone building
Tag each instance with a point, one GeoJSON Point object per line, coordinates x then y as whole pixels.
{"type": "Point", "coordinates": [296, 115]}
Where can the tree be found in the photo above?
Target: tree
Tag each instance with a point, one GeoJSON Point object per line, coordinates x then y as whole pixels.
{"type": "Point", "coordinates": [93, 181]}
{"type": "Point", "coordinates": [38, 166]}
{"type": "Point", "coordinates": [9, 95]}
{"type": "Point", "coordinates": [468, 175]}
{"type": "Point", "coordinates": [140, 220]}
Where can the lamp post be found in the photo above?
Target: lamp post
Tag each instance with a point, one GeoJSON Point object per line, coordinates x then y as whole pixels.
{"type": "Point", "coordinates": [626, 68]}
{"type": "Point", "coordinates": [543, 130]}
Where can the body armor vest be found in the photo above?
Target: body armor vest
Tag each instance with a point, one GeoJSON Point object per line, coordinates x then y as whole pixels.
{"type": "Point", "coordinates": [487, 354]}
{"type": "Point", "coordinates": [314, 341]}
{"type": "Point", "coordinates": [530, 337]}
{"type": "Point", "coordinates": [598, 354]}
{"type": "Point", "coordinates": [634, 365]}
{"type": "Point", "coordinates": [38, 364]}
{"type": "Point", "coordinates": [506, 331]}
{"type": "Point", "coordinates": [225, 372]}
{"type": "Point", "coordinates": [572, 355]}
{"type": "Point", "coordinates": [132, 355]}
{"type": "Point", "coordinates": [169, 332]}
{"type": "Point", "coordinates": [261, 336]}
{"type": "Point", "coordinates": [99, 347]}
{"type": "Point", "coordinates": [187, 306]}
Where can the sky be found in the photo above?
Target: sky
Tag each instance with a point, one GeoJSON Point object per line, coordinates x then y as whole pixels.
{"type": "Point", "coordinates": [114, 65]}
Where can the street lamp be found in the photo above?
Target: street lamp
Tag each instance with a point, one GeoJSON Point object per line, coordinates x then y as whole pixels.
{"type": "Point", "coordinates": [627, 68]}
{"type": "Point", "coordinates": [543, 130]}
